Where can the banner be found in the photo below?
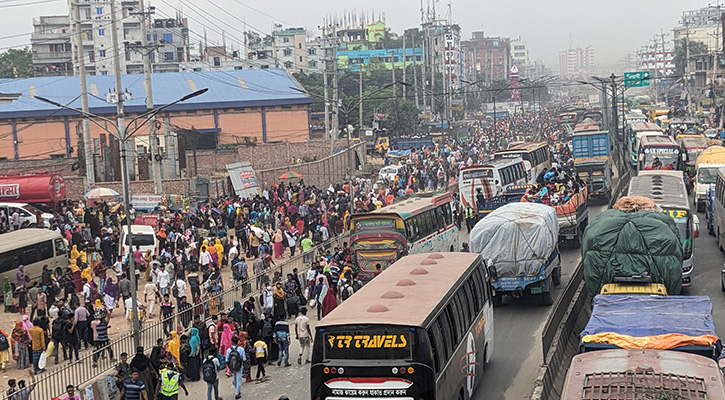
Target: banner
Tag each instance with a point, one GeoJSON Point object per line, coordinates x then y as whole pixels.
{"type": "Point", "coordinates": [243, 179]}
{"type": "Point", "coordinates": [148, 202]}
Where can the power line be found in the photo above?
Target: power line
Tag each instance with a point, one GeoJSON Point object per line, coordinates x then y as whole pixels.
{"type": "Point", "coordinates": [27, 4]}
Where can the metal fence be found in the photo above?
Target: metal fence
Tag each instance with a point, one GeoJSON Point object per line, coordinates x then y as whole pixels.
{"type": "Point", "coordinates": [82, 372]}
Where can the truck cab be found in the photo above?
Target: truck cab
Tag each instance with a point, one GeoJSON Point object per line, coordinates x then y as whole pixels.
{"type": "Point", "coordinates": [593, 162]}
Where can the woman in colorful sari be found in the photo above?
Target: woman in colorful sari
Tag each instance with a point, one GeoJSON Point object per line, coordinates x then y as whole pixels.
{"type": "Point", "coordinates": [111, 295]}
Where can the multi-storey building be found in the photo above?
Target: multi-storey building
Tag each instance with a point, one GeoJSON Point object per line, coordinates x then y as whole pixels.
{"type": "Point", "coordinates": [520, 57]}
{"type": "Point", "coordinates": [652, 58]}
{"type": "Point", "coordinates": [54, 41]}
{"type": "Point", "coordinates": [491, 56]}
{"type": "Point", "coordinates": [576, 61]}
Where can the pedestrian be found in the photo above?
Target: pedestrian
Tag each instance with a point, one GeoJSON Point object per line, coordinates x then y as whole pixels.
{"type": "Point", "coordinates": [170, 380]}
{"type": "Point", "coordinates": [134, 388]}
{"type": "Point", "coordinates": [4, 349]}
{"type": "Point", "coordinates": [150, 295]}
{"type": "Point", "coordinates": [279, 299]}
{"type": "Point", "coordinates": [282, 338]}
{"type": "Point", "coordinates": [261, 352]}
{"type": "Point", "coordinates": [303, 333]}
{"type": "Point", "coordinates": [70, 393]}
{"type": "Point", "coordinates": [193, 369]}
{"type": "Point", "coordinates": [210, 373]}
{"type": "Point", "coordinates": [100, 339]}
{"type": "Point", "coordinates": [124, 287]}
{"type": "Point", "coordinates": [167, 314]}
{"type": "Point", "coordinates": [234, 359]}
{"type": "Point", "coordinates": [122, 370]}
{"type": "Point", "coordinates": [21, 346]}
{"type": "Point", "coordinates": [37, 336]}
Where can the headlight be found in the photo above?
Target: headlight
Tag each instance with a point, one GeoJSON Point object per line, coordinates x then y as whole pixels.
{"type": "Point", "coordinates": [687, 269]}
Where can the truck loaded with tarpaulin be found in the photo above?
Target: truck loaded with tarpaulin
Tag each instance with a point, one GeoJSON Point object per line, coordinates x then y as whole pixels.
{"type": "Point", "coordinates": [620, 244]}
{"type": "Point", "coordinates": [681, 323]}
{"type": "Point", "coordinates": [519, 244]}
{"type": "Point", "coordinates": [41, 188]}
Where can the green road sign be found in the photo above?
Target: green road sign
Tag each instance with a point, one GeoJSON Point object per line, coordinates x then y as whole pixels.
{"type": "Point", "coordinates": [635, 79]}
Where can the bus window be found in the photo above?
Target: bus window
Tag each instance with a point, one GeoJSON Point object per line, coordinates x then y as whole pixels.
{"type": "Point", "coordinates": [481, 284]}
{"type": "Point", "coordinates": [475, 297]}
{"type": "Point", "coordinates": [447, 214]}
{"type": "Point", "coordinates": [446, 329]}
{"type": "Point", "coordinates": [462, 306]}
{"type": "Point", "coordinates": [437, 345]}
{"type": "Point", "coordinates": [440, 219]}
{"type": "Point", "coordinates": [60, 247]}
{"type": "Point", "coordinates": [427, 223]}
{"type": "Point", "coordinates": [453, 322]}
{"type": "Point", "coordinates": [412, 227]}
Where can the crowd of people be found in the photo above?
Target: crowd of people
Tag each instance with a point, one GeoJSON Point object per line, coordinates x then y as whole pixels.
{"type": "Point", "coordinates": [182, 282]}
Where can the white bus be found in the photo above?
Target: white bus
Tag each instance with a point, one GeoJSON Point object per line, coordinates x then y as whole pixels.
{"type": "Point", "coordinates": [32, 248]}
{"type": "Point", "coordinates": [536, 153]}
{"type": "Point", "coordinates": [636, 132]}
{"type": "Point", "coordinates": [492, 179]}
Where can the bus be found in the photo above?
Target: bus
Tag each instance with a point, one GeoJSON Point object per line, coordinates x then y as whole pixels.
{"type": "Point", "coordinates": [423, 329]}
{"type": "Point", "coordinates": [635, 132]}
{"type": "Point", "coordinates": [678, 125]}
{"type": "Point", "coordinates": [422, 224]}
{"type": "Point", "coordinates": [32, 248]}
{"type": "Point", "coordinates": [536, 153]}
{"type": "Point", "coordinates": [481, 182]}
{"type": "Point", "coordinates": [691, 146]}
{"type": "Point", "coordinates": [667, 190]}
{"type": "Point", "coordinates": [658, 152]}
{"type": "Point", "coordinates": [719, 209]}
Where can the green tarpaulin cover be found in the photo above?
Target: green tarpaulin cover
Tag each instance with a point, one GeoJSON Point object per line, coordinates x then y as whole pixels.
{"type": "Point", "coordinates": [618, 243]}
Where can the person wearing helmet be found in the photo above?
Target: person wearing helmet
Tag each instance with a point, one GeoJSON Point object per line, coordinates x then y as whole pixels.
{"type": "Point", "coordinates": [465, 248]}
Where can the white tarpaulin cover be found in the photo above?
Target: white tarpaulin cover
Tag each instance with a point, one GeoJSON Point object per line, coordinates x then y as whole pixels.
{"type": "Point", "coordinates": [516, 238]}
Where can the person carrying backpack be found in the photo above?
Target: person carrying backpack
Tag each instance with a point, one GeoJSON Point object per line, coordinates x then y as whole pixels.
{"type": "Point", "coordinates": [235, 357]}
{"type": "Point", "coordinates": [346, 291]}
{"type": "Point", "coordinates": [267, 335]}
{"type": "Point", "coordinates": [58, 335]}
{"type": "Point", "coordinates": [210, 374]}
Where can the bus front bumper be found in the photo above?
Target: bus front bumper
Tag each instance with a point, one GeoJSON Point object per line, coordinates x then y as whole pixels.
{"type": "Point", "coordinates": [687, 267]}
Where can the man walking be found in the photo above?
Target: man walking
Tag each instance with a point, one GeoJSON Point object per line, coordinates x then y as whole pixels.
{"type": "Point", "coordinates": [235, 357]}
{"type": "Point", "coordinates": [282, 338]}
{"type": "Point", "coordinates": [304, 335]}
{"type": "Point", "coordinates": [134, 388]}
{"type": "Point", "coordinates": [210, 373]}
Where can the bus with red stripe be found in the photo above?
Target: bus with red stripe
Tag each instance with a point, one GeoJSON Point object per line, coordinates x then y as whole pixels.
{"type": "Point", "coordinates": [421, 224]}
{"type": "Point", "coordinates": [480, 184]}
{"type": "Point", "coordinates": [422, 329]}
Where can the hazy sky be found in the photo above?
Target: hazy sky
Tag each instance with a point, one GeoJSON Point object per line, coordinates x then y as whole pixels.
{"type": "Point", "coordinates": [613, 27]}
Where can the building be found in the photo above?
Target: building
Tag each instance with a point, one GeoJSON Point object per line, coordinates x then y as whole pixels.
{"type": "Point", "coordinates": [285, 48]}
{"type": "Point", "coordinates": [240, 106]}
{"type": "Point", "coordinates": [53, 41]}
{"type": "Point", "coordinates": [491, 56]}
{"type": "Point", "coordinates": [51, 46]}
{"type": "Point", "coordinates": [576, 61]}
{"type": "Point", "coordinates": [702, 25]}
{"type": "Point", "coordinates": [651, 58]}
{"type": "Point", "coordinates": [520, 57]}
{"type": "Point", "coordinates": [354, 59]}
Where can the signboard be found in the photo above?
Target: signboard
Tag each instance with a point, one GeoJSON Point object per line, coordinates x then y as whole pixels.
{"type": "Point", "coordinates": [636, 79]}
{"type": "Point", "coordinates": [243, 179]}
{"type": "Point", "coordinates": [150, 220]}
{"type": "Point", "coordinates": [375, 224]}
{"type": "Point", "coordinates": [368, 345]}
{"type": "Point", "coordinates": [146, 202]}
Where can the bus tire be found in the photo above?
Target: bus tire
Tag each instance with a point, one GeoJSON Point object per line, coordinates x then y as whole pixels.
{"type": "Point", "coordinates": [497, 300]}
{"type": "Point", "coordinates": [719, 244]}
{"type": "Point", "coordinates": [556, 276]}
{"type": "Point", "coordinates": [461, 396]}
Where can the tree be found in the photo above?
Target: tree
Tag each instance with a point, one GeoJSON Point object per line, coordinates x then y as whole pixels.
{"type": "Point", "coordinates": [402, 117]}
{"type": "Point", "coordinates": [253, 39]}
{"type": "Point", "coordinates": [696, 48]}
{"type": "Point", "coordinates": [313, 84]}
{"type": "Point", "coordinates": [16, 63]}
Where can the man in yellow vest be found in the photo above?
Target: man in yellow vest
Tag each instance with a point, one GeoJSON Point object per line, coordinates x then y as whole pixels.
{"type": "Point", "coordinates": [470, 218]}
{"type": "Point", "coordinates": [169, 383]}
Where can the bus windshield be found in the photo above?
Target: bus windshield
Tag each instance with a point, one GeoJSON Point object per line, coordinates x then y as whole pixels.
{"type": "Point", "coordinates": [707, 176]}
{"type": "Point", "coordinates": [661, 158]}
{"type": "Point", "coordinates": [368, 343]}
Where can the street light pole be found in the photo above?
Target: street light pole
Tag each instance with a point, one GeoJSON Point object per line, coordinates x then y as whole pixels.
{"type": "Point", "coordinates": [123, 135]}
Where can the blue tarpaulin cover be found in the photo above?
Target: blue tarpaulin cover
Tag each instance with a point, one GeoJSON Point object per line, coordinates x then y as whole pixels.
{"type": "Point", "coordinates": [641, 316]}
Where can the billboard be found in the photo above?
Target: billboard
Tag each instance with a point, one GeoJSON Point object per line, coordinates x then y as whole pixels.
{"type": "Point", "coordinates": [243, 179]}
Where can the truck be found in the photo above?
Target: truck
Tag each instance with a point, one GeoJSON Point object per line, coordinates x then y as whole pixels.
{"type": "Point", "coordinates": [35, 189]}
{"type": "Point", "coordinates": [573, 217]}
{"type": "Point", "coordinates": [677, 323]}
{"type": "Point", "coordinates": [622, 246]}
{"type": "Point", "coordinates": [385, 143]}
{"type": "Point", "coordinates": [593, 161]}
{"type": "Point", "coordinates": [518, 241]}
{"type": "Point", "coordinates": [708, 162]}
{"type": "Point", "coordinates": [625, 374]}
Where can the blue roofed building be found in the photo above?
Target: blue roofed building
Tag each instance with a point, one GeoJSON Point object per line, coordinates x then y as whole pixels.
{"type": "Point", "coordinates": [240, 106]}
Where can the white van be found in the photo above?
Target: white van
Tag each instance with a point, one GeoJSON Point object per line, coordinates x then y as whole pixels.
{"type": "Point", "coordinates": [143, 236]}
{"type": "Point", "coordinates": [388, 173]}
{"type": "Point", "coordinates": [27, 214]}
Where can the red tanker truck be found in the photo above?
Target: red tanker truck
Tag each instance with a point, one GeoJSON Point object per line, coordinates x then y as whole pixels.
{"type": "Point", "coordinates": [41, 188]}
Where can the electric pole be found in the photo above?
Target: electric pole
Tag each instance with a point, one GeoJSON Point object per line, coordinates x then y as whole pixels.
{"type": "Point", "coordinates": [153, 138]}
{"type": "Point", "coordinates": [90, 180]}
{"type": "Point", "coordinates": [415, 75]}
{"type": "Point", "coordinates": [360, 107]}
{"type": "Point", "coordinates": [120, 121]}
{"type": "Point", "coordinates": [405, 64]}
{"type": "Point", "coordinates": [657, 69]}
{"type": "Point", "coordinates": [392, 70]}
